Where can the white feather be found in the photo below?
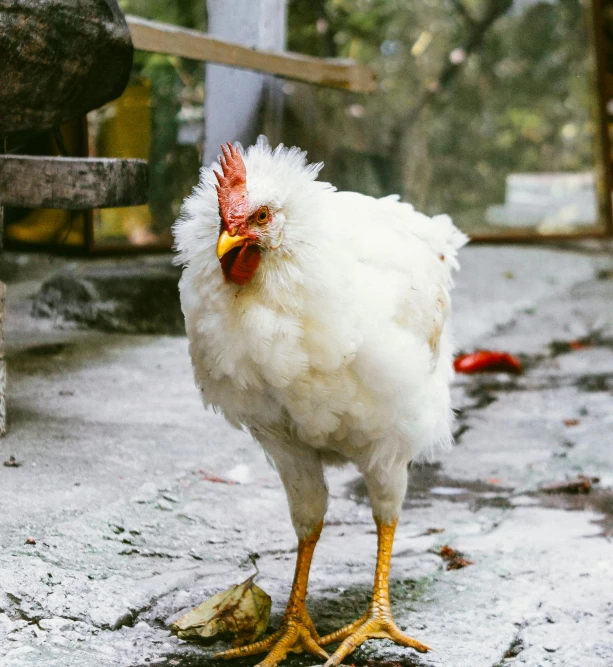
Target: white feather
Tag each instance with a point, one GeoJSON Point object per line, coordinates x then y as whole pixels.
{"type": "Point", "coordinates": [341, 342]}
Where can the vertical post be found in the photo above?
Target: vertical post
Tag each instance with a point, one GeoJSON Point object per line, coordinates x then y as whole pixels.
{"type": "Point", "coordinates": [239, 104]}
{"type": "Point", "coordinates": [2, 359]}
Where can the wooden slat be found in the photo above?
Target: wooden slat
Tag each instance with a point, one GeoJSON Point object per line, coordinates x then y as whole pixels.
{"type": "Point", "coordinates": [71, 183]}
{"type": "Point", "coordinates": [172, 40]}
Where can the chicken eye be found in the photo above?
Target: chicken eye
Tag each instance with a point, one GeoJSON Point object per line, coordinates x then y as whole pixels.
{"type": "Point", "coordinates": [262, 216]}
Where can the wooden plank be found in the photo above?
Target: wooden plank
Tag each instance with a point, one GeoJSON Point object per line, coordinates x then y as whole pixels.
{"type": "Point", "coordinates": [173, 40]}
{"type": "Point", "coordinates": [71, 183]}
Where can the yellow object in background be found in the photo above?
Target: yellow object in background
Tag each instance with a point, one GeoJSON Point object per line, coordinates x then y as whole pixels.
{"type": "Point", "coordinates": [158, 118]}
{"type": "Point", "coordinates": [122, 129]}
{"type": "Point", "coordinates": [50, 225]}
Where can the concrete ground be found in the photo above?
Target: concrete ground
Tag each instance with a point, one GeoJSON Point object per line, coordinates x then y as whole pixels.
{"type": "Point", "coordinates": [110, 523]}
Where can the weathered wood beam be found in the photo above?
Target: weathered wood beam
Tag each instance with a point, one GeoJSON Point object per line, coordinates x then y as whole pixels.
{"type": "Point", "coordinates": [173, 40]}
{"type": "Point", "coordinates": [72, 183]}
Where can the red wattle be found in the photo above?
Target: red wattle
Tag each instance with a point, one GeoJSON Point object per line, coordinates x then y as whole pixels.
{"type": "Point", "coordinates": [240, 264]}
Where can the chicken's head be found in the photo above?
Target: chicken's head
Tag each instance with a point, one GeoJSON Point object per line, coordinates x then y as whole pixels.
{"type": "Point", "coordinates": [247, 227]}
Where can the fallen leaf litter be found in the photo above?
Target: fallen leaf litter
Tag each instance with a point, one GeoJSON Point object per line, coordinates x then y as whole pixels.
{"type": "Point", "coordinates": [455, 559]}
{"type": "Point", "coordinates": [580, 484]}
{"type": "Point", "coordinates": [241, 612]}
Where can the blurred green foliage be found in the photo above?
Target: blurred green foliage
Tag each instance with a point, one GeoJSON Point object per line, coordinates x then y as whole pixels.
{"type": "Point", "coordinates": [186, 13]}
{"type": "Point", "coordinates": [468, 93]}
{"type": "Point", "coordinates": [177, 96]}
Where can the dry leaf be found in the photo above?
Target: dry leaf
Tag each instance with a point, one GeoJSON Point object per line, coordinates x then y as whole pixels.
{"type": "Point", "coordinates": [242, 611]}
{"type": "Point", "coordinates": [581, 484]}
{"type": "Point", "coordinates": [12, 462]}
{"type": "Point", "coordinates": [577, 344]}
{"type": "Point", "coordinates": [455, 559]}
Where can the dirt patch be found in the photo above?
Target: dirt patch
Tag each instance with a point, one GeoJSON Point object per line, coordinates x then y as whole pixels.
{"type": "Point", "coordinates": [49, 350]}
{"type": "Point", "coordinates": [482, 392]}
{"type": "Point", "coordinates": [595, 339]}
{"type": "Point", "coordinates": [332, 608]}
{"type": "Point", "coordinates": [134, 299]}
{"type": "Point", "coordinates": [580, 484]}
{"type": "Point", "coordinates": [302, 660]}
{"type": "Point", "coordinates": [598, 500]}
{"type": "Point", "coordinates": [409, 661]}
{"type": "Point", "coordinates": [595, 382]}
{"type": "Point", "coordinates": [460, 431]}
{"type": "Point", "coordinates": [427, 482]}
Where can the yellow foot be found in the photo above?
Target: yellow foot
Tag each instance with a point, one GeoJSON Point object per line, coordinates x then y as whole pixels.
{"type": "Point", "coordinates": [296, 634]}
{"type": "Point", "coordinates": [375, 624]}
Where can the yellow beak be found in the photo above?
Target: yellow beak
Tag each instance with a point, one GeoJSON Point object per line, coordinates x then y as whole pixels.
{"type": "Point", "coordinates": [226, 242]}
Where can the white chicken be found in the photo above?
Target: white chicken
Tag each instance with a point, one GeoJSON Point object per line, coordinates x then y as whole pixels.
{"type": "Point", "coordinates": [319, 321]}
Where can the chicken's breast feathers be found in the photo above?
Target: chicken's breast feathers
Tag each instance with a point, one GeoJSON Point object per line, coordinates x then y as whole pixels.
{"type": "Point", "coordinates": [341, 342]}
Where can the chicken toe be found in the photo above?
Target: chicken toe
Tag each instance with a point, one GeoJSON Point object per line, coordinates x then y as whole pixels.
{"type": "Point", "coordinates": [296, 635]}
{"type": "Point", "coordinates": [374, 625]}
{"type": "Point", "coordinates": [378, 622]}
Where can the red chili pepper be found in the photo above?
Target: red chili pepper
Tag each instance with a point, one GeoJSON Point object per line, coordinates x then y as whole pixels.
{"type": "Point", "coordinates": [486, 361]}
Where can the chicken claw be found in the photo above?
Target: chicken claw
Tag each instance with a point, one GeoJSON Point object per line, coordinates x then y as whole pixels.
{"type": "Point", "coordinates": [297, 634]}
{"type": "Point", "coordinates": [378, 622]}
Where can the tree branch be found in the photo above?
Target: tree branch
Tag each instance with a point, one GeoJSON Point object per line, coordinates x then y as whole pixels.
{"type": "Point", "coordinates": [477, 30]}
{"type": "Point", "coordinates": [464, 13]}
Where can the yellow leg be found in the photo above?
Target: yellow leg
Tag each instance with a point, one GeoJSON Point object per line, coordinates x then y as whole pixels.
{"type": "Point", "coordinates": [297, 632]}
{"type": "Point", "coordinates": [378, 621]}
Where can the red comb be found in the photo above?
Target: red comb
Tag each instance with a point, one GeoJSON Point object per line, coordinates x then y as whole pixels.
{"type": "Point", "coordinates": [232, 188]}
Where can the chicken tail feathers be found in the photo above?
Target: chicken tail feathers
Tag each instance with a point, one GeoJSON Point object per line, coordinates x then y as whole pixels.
{"type": "Point", "coordinates": [442, 236]}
